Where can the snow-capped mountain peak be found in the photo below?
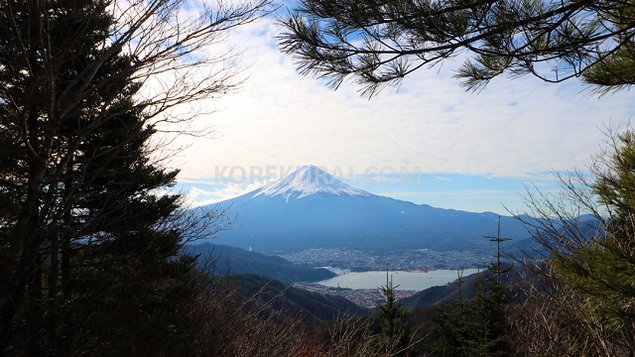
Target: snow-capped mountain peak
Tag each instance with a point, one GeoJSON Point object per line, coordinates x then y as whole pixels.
{"type": "Point", "coordinates": [306, 181]}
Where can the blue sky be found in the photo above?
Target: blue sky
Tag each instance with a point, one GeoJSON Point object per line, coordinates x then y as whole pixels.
{"type": "Point", "coordinates": [466, 192]}
{"type": "Point", "coordinates": [471, 151]}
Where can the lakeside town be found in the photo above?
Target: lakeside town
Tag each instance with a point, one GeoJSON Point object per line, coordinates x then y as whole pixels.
{"type": "Point", "coordinates": [368, 298]}
{"type": "Point", "coordinates": [413, 260]}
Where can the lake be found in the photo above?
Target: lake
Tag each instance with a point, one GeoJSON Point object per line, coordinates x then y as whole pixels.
{"type": "Point", "coordinates": [407, 280]}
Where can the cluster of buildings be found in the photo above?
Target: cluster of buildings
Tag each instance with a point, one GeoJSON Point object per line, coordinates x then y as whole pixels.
{"type": "Point", "coordinates": [417, 259]}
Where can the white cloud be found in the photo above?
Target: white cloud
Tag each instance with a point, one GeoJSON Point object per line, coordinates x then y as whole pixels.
{"type": "Point", "coordinates": [196, 196]}
{"type": "Point", "coordinates": [512, 128]}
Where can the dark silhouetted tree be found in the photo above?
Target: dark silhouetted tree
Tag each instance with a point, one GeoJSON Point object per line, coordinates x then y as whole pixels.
{"type": "Point", "coordinates": [88, 243]}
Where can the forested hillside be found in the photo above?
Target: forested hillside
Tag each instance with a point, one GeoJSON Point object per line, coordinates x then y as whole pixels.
{"type": "Point", "coordinates": [224, 260]}
{"type": "Point", "coordinates": [95, 254]}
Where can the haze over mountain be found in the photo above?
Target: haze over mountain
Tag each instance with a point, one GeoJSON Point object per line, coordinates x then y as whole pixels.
{"type": "Point", "coordinates": [312, 209]}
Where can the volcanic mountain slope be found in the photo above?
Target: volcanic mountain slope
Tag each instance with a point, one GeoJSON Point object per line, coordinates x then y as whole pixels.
{"type": "Point", "coordinates": [312, 209]}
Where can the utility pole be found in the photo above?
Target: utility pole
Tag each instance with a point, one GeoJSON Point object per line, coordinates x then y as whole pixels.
{"type": "Point", "coordinates": [498, 239]}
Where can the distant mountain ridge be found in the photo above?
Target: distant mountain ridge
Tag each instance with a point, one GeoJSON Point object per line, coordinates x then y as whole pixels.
{"type": "Point", "coordinates": [312, 209]}
{"type": "Point", "coordinates": [518, 279]}
{"type": "Point", "coordinates": [284, 301]}
{"type": "Point", "coordinates": [228, 260]}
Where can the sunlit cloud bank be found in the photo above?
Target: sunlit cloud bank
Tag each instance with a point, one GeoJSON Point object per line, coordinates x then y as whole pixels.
{"type": "Point", "coordinates": [202, 194]}
{"type": "Point", "coordinates": [514, 128]}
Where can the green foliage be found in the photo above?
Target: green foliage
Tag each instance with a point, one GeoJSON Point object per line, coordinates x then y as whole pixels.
{"type": "Point", "coordinates": [395, 337]}
{"type": "Point", "coordinates": [382, 42]}
{"type": "Point", "coordinates": [616, 71]}
{"type": "Point", "coordinates": [615, 183]}
{"type": "Point", "coordinates": [475, 327]}
{"type": "Point", "coordinates": [602, 274]}
{"type": "Point", "coordinates": [88, 244]}
{"type": "Point", "coordinates": [602, 270]}
{"type": "Point", "coordinates": [586, 305]}
{"type": "Point", "coordinates": [131, 296]}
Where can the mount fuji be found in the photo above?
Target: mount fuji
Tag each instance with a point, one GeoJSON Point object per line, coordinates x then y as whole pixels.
{"type": "Point", "coordinates": [306, 181]}
{"type": "Point", "coordinates": [312, 209]}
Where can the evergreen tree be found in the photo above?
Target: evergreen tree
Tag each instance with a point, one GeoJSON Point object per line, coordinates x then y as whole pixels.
{"type": "Point", "coordinates": [450, 327]}
{"type": "Point", "coordinates": [477, 327]}
{"type": "Point", "coordinates": [591, 262]}
{"type": "Point", "coordinates": [380, 42]}
{"type": "Point", "coordinates": [601, 270]}
{"type": "Point", "coordinates": [87, 244]}
{"type": "Point", "coordinates": [394, 337]}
